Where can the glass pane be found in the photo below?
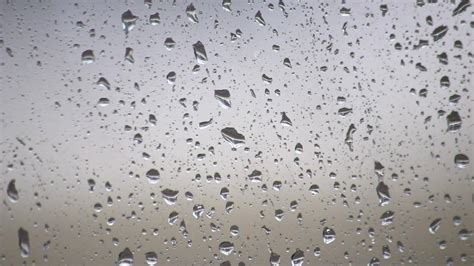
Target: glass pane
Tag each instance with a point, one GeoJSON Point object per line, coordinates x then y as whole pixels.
{"type": "Point", "coordinates": [236, 132]}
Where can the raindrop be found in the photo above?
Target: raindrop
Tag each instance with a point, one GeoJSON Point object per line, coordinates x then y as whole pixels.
{"type": "Point", "coordinates": [297, 259]}
{"type": "Point", "coordinates": [329, 235]}
{"type": "Point", "coordinates": [285, 121]}
{"type": "Point", "coordinates": [170, 196]}
{"type": "Point", "coordinates": [223, 96]}
{"type": "Point", "coordinates": [192, 13]}
{"type": "Point", "coordinates": [125, 258]}
{"type": "Point", "coordinates": [151, 258]}
{"type": "Point", "coordinates": [461, 160]}
{"type": "Point", "coordinates": [434, 226]}
{"type": "Point", "coordinates": [259, 18]}
{"type": "Point", "coordinates": [24, 242]}
{"type": "Point", "coordinates": [128, 21]}
{"type": "Point", "coordinates": [88, 57]}
{"type": "Point", "coordinates": [233, 137]}
{"type": "Point", "coordinates": [226, 248]}
{"type": "Point", "coordinates": [439, 32]}
{"type": "Point", "coordinates": [12, 192]}
{"type": "Point", "coordinates": [153, 176]}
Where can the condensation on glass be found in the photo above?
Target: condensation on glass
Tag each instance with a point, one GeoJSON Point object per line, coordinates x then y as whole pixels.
{"type": "Point", "coordinates": [236, 132]}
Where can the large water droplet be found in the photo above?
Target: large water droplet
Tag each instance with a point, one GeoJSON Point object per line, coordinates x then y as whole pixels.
{"type": "Point", "coordinates": [200, 52]}
{"type": "Point", "coordinates": [329, 235]}
{"type": "Point", "coordinates": [226, 248]}
{"type": "Point", "coordinates": [461, 160]}
{"type": "Point", "coordinates": [12, 192]}
{"type": "Point", "coordinates": [128, 21]}
{"type": "Point", "coordinates": [233, 137]}
{"type": "Point", "coordinates": [223, 96]}
{"type": "Point", "coordinates": [125, 258]}
{"type": "Point", "coordinates": [153, 176]}
{"type": "Point", "coordinates": [192, 13]}
{"type": "Point", "coordinates": [24, 242]}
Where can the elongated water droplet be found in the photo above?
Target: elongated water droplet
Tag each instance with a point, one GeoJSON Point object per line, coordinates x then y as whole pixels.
{"type": "Point", "coordinates": [200, 52]}
{"type": "Point", "coordinates": [454, 121]}
{"type": "Point", "coordinates": [192, 13]}
{"type": "Point", "coordinates": [383, 194]}
{"type": "Point", "coordinates": [12, 192]}
{"type": "Point", "coordinates": [24, 242]}
{"type": "Point", "coordinates": [129, 55]}
{"type": "Point", "coordinates": [285, 120]}
{"type": "Point", "coordinates": [461, 7]}
{"type": "Point", "coordinates": [226, 5]}
{"type": "Point", "coordinates": [349, 136]}
{"type": "Point", "coordinates": [439, 32]}
{"type": "Point", "coordinates": [434, 226]}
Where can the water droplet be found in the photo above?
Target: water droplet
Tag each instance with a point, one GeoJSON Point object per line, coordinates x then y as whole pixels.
{"type": "Point", "coordinates": [274, 259]}
{"type": "Point", "coordinates": [171, 77]}
{"type": "Point", "coordinates": [24, 242]}
{"type": "Point", "coordinates": [88, 57]}
{"type": "Point", "coordinates": [125, 258]}
{"type": "Point", "coordinates": [103, 82]}
{"type": "Point", "coordinates": [434, 226]}
{"type": "Point", "coordinates": [200, 52]}
{"type": "Point", "coordinates": [464, 234]}
{"type": "Point", "coordinates": [155, 19]}
{"type": "Point", "coordinates": [151, 258]}
{"type": "Point", "coordinates": [329, 235]}
{"type": "Point", "coordinates": [349, 136]}
{"type": "Point", "coordinates": [170, 43]}
{"type": "Point", "coordinates": [192, 13]}
{"type": "Point", "coordinates": [12, 192]}
{"type": "Point", "coordinates": [226, 248]}
{"type": "Point", "coordinates": [383, 194]}
{"type": "Point", "coordinates": [153, 176]}
{"type": "Point", "coordinates": [461, 160]}
{"type": "Point", "coordinates": [387, 218]}
{"type": "Point", "coordinates": [285, 120]}
{"type": "Point", "coordinates": [233, 137]}
{"type": "Point", "coordinates": [128, 21]}
{"type": "Point", "coordinates": [454, 121]}
{"type": "Point", "coordinates": [170, 196]}
{"type": "Point", "coordinates": [103, 102]}
{"type": "Point", "coordinates": [255, 176]}
{"type": "Point", "coordinates": [439, 32]}
{"type": "Point", "coordinates": [374, 262]}
{"type": "Point", "coordinates": [461, 7]}
{"type": "Point", "coordinates": [259, 18]}
{"type": "Point", "coordinates": [297, 259]}
{"type": "Point", "coordinates": [344, 111]}
{"type": "Point", "coordinates": [226, 5]}
{"type": "Point", "coordinates": [223, 96]}
{"type": "Point", "coordinates": [129, 55]}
